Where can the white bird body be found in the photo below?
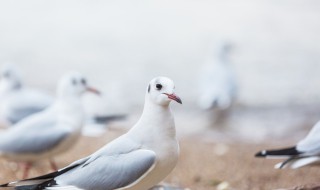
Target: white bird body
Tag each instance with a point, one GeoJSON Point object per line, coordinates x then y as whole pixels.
{"type": "Point", "coordinates": [18, 101]}
{"type": "Point", "coordinates": [137, 160]}
{"type": "Point", "coordinates": [24, 98]}
{"type": "Point", "coordinates": [158, 123]}
{"type": "Point", "coordinates": [217, 84]}
{"type": "Point", "coordinates": [53, 131]}
{"type": "Point", "coordinates": [57, 114]}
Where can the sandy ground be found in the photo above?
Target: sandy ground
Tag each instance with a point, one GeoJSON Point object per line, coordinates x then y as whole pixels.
{"type": "Point", "coordinates": [202, 165]}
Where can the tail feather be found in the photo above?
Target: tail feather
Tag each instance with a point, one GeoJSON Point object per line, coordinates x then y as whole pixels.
{"type": "Point", "coordinates": [25, 183]}
{"type": "Point", "coordinates": [283, 164]}
{"type": "Point", "coordinates": [38, 183]}
{"type": "Point", "coordinates": [299, 162]}
{"type": "Point", "coordinates": [40, 186]}
{"type": "Point", "coordinates": [63, 188]}
{"type": "Point", "coordinates": [286, 152]}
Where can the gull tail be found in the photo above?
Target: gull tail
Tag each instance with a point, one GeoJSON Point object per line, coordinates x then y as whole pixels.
{"type": "Point", "coordinates": [31, 184]}
{"type": "Point", "coordinates": [37, 183]}
{"type": "Point", "coordinates": [63, 188]}
{"type": "Point", "coordinates": [280, 153]}
{"type": "Point", "coordinates": [297, 162]}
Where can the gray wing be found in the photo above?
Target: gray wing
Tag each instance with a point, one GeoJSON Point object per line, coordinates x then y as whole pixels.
{"type": "Point", "coordinates": [20, 113]}
{"type": "Point", "coordinates": [25, 103]}
{"type": "Point", "coordinates": [109, 172]}
{"type": "Point", "coordinates": [25, 140]}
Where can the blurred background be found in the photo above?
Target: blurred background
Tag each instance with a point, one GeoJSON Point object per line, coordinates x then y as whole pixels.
{"type": "Point", "coordinates": [122, 45]}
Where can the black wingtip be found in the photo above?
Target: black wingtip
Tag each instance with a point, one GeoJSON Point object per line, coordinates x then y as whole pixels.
{"type": "Point", "coordinates": [4, 185]}
{"type": "Point", "coordinates": [261, 154]}
{"type": "Point", "coordinates": [292, 151]}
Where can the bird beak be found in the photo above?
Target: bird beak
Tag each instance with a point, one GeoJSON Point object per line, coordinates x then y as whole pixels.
{"type": "Point", "coordinates": [174, 97]}
{"type": "Point", "coordinates": [93, 90]}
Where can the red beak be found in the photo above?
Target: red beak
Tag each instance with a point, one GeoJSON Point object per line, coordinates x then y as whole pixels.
{"type": "Point", "coordinates": [93, 90]}
{"type": "Point", "coordinates": [174, 97]}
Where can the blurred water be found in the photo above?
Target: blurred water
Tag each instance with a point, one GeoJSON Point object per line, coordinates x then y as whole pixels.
{"type": "Point", "coordinates": [121, 45]}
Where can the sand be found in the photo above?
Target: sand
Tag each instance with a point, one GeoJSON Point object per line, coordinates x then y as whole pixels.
{"type": "Point", "coordinates": [202, 166]}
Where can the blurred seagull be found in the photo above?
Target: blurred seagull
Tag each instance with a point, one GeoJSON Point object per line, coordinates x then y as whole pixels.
{"type": "Point", "coordinates": [50, 132]}
{"type": "Point", "coordinates": [217, 83]}
{"type": "Point", "coordinates": [306, 152]}
{"type": "Point", "coordinates": [98, 116]}
{"type": "Point", "coordinates": [137, 160]}
{"type": "Point", "coordinates": [16, 100]}
{"type": "Point", "coordinates": [97, 125]}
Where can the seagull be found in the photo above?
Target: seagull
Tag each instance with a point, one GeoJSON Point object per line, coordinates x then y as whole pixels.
{"type": "Point", "coordinates": [305, 152]}
{"type": "Point", "coordinates": [96, 125]}
{"type": "Point", "coordinates": [53, 131]}
{"type": "Point", "coordinates": [16, 100]}
{"type": "Point", "coordinates": [217, 84]}
{"type": "Point", "coordinates": [137, 160]}
{"type": "Point", "coordinates": [99, 115]}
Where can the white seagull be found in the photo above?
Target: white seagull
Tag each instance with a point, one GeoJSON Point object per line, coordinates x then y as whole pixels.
{"type": "Point", "coordinates": [16, 100]}
{"type": "Point", "coordinates": [306, 152]}
{"type": "Point", "coordinates": [137, 160]}
{"type": "Point", "coordinates": [217, 86]}
{"type": "Point", "coordinates": [50, 132]}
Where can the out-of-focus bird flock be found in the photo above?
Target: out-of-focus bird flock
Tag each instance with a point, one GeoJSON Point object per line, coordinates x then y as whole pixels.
{"type": "Point", "coordinates": [211, 106]}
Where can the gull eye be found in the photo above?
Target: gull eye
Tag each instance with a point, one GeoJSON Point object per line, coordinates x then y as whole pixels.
{"type": "Point", "coordinates": [158, 86]}
{"type": "Point", "coordinates": [83, 81]}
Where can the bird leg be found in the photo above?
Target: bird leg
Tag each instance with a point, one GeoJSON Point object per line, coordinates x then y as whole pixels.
{"type": "Point", "coordinates": [53, 165]}
{"type": "Point", "coordinates": [26, 168]}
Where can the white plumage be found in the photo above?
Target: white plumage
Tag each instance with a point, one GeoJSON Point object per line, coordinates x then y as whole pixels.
{"type": "Point", "coordinates": [217, 86]}
{"type": "Point", "coordinates": [137, 160]}
{"type": "Point", "coordinates": [50, 132]}
{"type": "Point", "coordinates": [17, 101]}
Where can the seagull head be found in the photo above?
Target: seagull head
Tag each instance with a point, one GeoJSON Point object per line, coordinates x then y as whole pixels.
{"type": "Point", "coordinates": [161, 91]}
{"type": "Point", "coordinates": [74, 84]}
{"type": "Point", "coordinates": [10, 77]}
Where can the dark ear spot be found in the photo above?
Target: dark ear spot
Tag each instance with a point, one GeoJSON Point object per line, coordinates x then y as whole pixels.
{"type": "Point", "coordinates": [6, 74]}
{"type": "Point", "coordinates": [83, 81]}
{"type": "Point", "coordinates": [149, 88]}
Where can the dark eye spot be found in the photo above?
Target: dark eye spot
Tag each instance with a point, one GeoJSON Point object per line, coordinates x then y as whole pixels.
{"type": "Point", "coordinates": [158, 86]}
{"type": "Point", "coordinates": [74, 81]}
{"type": "Point", "coordinates": [149, 88]}
{"type": "Point", "coordinates": [83, 81]}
